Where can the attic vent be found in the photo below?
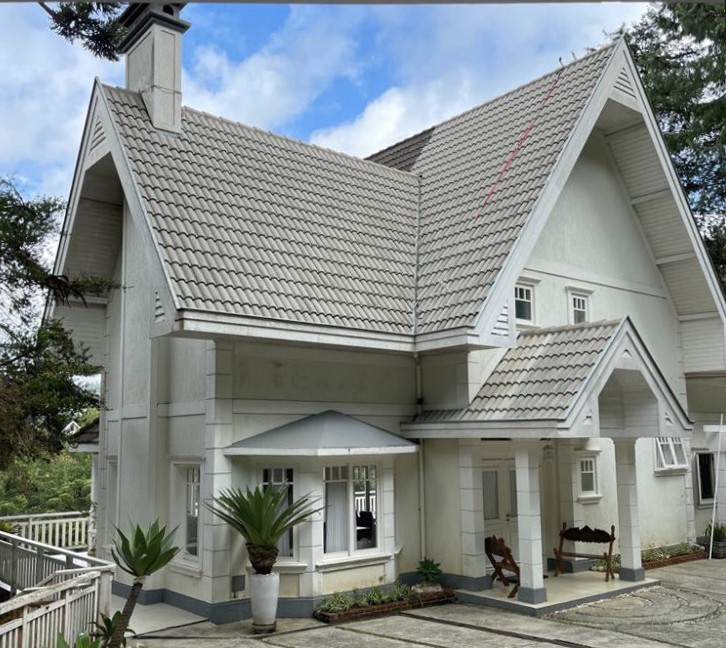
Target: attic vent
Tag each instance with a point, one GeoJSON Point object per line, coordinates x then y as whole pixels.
{"type": "Point", "coordinates": [98, 136]}
{"type": "Point", "coordinates": [624, 84]}
{"type": "Point", "coordinates": [159, 315]}
{"type": "Point", "coordinates": [501, 327]}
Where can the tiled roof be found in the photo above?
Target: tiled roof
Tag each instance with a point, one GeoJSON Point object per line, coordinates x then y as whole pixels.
{"type": "Point", "coordinates": [255, 224]}
{"type": "Point", "coordinates": [462, 245]}
{"type": "Point", "coordinates": [539, 378]}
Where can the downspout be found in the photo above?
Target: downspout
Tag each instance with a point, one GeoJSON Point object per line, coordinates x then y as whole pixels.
{"type": "Point", "coordinates": [419, 377]}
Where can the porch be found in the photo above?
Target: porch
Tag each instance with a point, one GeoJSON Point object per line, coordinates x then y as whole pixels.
{"type": "Point", "coordinates": [563, 592]}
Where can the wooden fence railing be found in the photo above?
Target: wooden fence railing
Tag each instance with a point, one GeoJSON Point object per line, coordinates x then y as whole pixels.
{"type": "Point", "coordinates": [68, 529]}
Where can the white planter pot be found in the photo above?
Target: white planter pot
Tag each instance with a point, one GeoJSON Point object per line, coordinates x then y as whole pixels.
{"type": "Point", "coordinates": [263, 598]}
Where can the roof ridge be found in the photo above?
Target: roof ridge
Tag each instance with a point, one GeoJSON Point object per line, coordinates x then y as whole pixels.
{"type": "Point", "coordinates": [285, 138]}
{"type": "Point", "coordinates": [518, 88]}
{"type": "Point", "coordinates": [570, 327]}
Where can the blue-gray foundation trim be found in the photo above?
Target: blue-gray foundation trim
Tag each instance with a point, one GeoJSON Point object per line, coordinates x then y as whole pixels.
{"type": "Point", "coordinates": [570, 566]}
{"type": "Point", "coordinates": [631, 575]}
{"type": "Point", "coordinates": [455, 581]}
{"type": "Point", "coordinates": [532, 595]}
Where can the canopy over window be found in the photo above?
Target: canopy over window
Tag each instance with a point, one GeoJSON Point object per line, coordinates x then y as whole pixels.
{"type": "Point", "coordinates": [328, 434]}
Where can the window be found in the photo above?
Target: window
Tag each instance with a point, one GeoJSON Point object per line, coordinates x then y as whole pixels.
{"type": "Point", "coordinates": [351, 508]}
{"type": "Point", "coordinates": [524, 303]}
{"type": "Point", "coordinates": [670, 454]}
{"type": "Point", "coordinates": [278, 478]}
{"type": "Point", "coordinates": [588, 476]}
{"type": "Point", "coordinates": [191, 527]}
{"type": "Point", "coordinates": [705, 475]}
{"type": "Point", "coordinates": [579, 305]}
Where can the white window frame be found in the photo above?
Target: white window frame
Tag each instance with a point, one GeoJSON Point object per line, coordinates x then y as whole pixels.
{"type": "Point", "coordinates": [667, 451]}
{"type": "Point", "coordinates": [587, 496]}
{"type": "Point", "coordinates": [273, 481]}
{"type": "Point", "coordinates": [524, 286]}
{"type": "Point", "coordinates": [697, 473]}
{"type": "Point", "coordinates": [575, 293]}
{"type": "Point", "coordinates": [352, 549]}
{"type": "Point", "coordinates": [178, 513]}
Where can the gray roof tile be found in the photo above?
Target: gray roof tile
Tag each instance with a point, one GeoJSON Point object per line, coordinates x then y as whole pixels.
{"type": "Point", "coordinates": [255, 224]}
{"type": "Point", "coordinates": [539, 378]}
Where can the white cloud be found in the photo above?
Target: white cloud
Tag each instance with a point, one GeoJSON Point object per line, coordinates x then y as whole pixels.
{"type": "Point", "coordinates": [45, 85]}
{"type": "Point", "coordinates": [315, 47]}
{"type": "Point", "coordinates": [451, 58]}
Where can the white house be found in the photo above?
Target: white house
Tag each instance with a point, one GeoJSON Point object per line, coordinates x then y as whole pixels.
{"type": "Point", "coordinates": [501, 324]}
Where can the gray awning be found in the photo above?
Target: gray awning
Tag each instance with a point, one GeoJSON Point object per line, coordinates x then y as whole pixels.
{"type": "Point", "coordinates": [328, 434]}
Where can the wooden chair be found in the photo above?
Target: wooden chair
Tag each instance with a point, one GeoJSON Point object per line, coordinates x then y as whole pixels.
{"type": "Point", "coordinates": [500, 556]}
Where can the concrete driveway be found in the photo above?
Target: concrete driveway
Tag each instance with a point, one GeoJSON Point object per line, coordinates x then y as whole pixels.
{"type": "Point", "coordinates": [687, 610]}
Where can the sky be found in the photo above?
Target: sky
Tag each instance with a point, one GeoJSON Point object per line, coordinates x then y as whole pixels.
{"type": "Point", "coordinates": [355, 78]}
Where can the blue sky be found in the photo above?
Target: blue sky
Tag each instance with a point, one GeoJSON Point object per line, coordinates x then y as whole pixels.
{"type": "Point", "coordinates": [355, 78]}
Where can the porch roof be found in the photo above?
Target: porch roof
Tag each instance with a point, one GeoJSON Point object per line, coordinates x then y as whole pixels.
{"type": "Point", "coordinates": [552, 379]}
{"type": "Point", "coordinates": [328, 434]}
{"type": "Point", "coordinates": [539, 378]}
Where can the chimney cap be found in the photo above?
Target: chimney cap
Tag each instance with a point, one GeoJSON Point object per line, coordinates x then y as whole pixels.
{"type": "Point", "coordinates": [139, 16]}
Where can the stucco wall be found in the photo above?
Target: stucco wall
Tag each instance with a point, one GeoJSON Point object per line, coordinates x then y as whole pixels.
{"type": "Point", "coordinates": [593, 242]}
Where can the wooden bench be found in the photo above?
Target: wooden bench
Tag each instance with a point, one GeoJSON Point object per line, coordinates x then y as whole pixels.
{"type": "Point", "coordinates": [500, 556]}
{"type": "Point", "coordinates": [586, 534]}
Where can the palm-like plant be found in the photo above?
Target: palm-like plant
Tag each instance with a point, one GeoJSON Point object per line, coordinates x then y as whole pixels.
{"type": "Point", "coordinates": [141, 553]}
{"type": "Point", "coordinates": [261, 516]}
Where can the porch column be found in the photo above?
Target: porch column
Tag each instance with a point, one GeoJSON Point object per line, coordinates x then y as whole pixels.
{"type": "Point", "coordinates": [529, 522]}
{"type": "Point", "coordinates": [628, 532]}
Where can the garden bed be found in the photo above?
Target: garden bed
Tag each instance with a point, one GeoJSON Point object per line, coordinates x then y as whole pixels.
{"type": "Point", "coordinates": [661, 557]}
{"type": "Point", "coordinates": [674, 560]}
{"type": "Point", "coordinates": [357, 613]}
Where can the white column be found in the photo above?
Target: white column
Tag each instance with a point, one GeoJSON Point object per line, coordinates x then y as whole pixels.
{"type": "Point", "coordinates": [473, 558]}
{"type": "Point", "coordinates": [529, 521]}
{"type": "Point", "coordinates": [628, 533]}
{"type": "Point", "coordinates": [216, 557]}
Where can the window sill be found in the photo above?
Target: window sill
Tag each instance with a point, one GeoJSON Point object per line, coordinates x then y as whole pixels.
{"type": "Point", "coordinates": [589, 499]}
{"type": "Point", "coordinates": [186, 568]}
{"type": "Point", "coordinates": [347, 562]}
{"type": "Point", "coordinates": [668, 472]}
{"type": "Point", "coordinates": [289, 567]}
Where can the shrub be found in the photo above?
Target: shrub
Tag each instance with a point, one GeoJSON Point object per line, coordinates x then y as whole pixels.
{"type": "Point", "coordinates": [338, 602]}
{"type": "Point", "coordinates": [719, 532]}
{"type": "Point", "coordinates": [428, 570]}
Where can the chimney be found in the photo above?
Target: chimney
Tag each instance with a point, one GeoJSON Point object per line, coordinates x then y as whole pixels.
{"type": "Point", "coordinates": [152, 45]}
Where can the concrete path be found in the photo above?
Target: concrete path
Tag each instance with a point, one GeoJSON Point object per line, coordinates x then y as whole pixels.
{"type": "Point", "coordinates": [688, 610]}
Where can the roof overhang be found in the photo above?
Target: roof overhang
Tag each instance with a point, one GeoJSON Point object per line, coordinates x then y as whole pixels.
{"type": "Point", "coordinates": [328, 434]}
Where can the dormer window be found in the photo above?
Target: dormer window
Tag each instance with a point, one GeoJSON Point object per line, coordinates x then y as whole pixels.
{"type": "Point", "coordinates": [524, 303]}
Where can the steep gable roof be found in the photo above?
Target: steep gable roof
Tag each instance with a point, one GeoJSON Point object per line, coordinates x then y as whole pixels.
{"type": "Point", "coordinates": [506, 148]}
{"type": "Point", "coordinates": [254, 224]}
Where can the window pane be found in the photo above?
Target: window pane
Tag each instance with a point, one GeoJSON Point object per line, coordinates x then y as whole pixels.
{"type": "Point", "coordinates": [513, 492]}
{"type": "Point", "coordinates": [365, 500]}
{"type": "Point", "coordinates": [705, 476]}
{"type": "Point", "coordinates": [336, 517]}
{"type": "Point", "coordinates": [588, 482]}
{"type": "Point", "coordinates": [278, 478]}
{"type": "Point", "coordinates": [192, 511]}
{"type": "Point", "coordinates": [490, 486]}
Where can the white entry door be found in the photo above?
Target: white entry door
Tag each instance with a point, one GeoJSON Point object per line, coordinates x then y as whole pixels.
{"type": "Point", "coordinates": [499, 491]}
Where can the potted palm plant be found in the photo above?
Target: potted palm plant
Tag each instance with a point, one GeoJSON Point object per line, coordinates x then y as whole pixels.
{"type": "Point", "coordinates": [262, 516]}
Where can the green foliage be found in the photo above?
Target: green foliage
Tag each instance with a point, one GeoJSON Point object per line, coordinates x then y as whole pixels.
{"type": "Point", "coordinates": [261, 516]}
{"type": "Point", "coordinates": [338, 602]}
{"type": "Point", "coordinates": [428, 570]}
{"type": "Point", "coordinates": [39, 395]}
{"type": "Point", "coordinates": [46, 485]}
{"type": "Point", "coordinates": [719, 532]}
{"type": "Point", "coordinates": [402, 592]}
{"type": "Point", "coordinates": [144, 551]}
{"type": "Point", "coordinates": [93, 23]}
{"type": "Point", "coordinates": [105, 628]}
{"type": "Point", "coordinates": [377, 596]}
{"type": "Point", "coordinates": [82, 641]}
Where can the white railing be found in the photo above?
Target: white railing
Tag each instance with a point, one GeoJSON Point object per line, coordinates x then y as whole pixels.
{"type": "Point", "coordinates": [36, 618]}
{"type": "Point", "coordinates": [363, 503]}
{"type": "Point", "coordinates": [57, 591]}
{"type": "Point", "coordinates": [68, 529]}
